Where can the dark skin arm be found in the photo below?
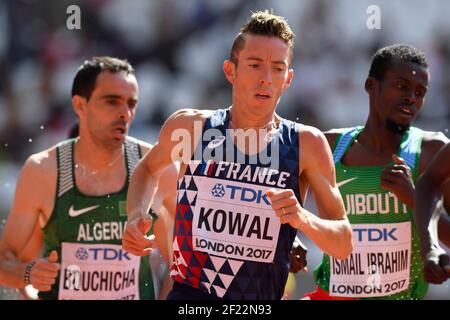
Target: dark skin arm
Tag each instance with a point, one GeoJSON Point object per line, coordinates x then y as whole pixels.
{"type": "Point", "coordinates": [398, 179]}
{"type": "Point", "coordinates": [444, 229]}
{"type": "Point", "coordinates": [430, 188]}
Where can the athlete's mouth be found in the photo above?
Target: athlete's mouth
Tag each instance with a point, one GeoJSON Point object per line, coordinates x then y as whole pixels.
{"type": "Point", "coordinates": [407, 110]}
{"type": "Point", "coordinates": [120, 130]}
{"type": "Point", "coordinates": [262, 96]}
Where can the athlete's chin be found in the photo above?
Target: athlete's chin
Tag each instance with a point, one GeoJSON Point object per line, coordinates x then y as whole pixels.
{"type": "Point", "coordinates": [266, 104]}
{"type": "Point", "coordinates": [116, 142]}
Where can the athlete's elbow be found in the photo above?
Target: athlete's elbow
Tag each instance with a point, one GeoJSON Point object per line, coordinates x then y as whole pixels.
{"type": "Point", "coordinates": [346, 246]}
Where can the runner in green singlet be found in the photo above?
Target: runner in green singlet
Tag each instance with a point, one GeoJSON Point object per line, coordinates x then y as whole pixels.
{"type": "Point", "coordinates": [76, 192]}
{"type": "Point", "coordinates": [376, 169]}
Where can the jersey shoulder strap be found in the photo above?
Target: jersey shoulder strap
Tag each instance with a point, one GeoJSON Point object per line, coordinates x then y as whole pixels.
{"type": "Point", "coordinates": [347, 135]}
{"type": "Point", "coordinates": [64, 155]}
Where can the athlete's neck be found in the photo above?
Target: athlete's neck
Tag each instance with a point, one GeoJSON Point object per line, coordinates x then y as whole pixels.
{"type": "Point", "coordinates": [378, 138]}
{"type": "Point", "coordinates": [243, 118]}
{"type": "Point", "coordinates": [95, 157]}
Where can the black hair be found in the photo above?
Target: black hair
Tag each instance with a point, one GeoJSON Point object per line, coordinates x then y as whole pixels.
{"type": "Point", "coordinates": [84, 81]}
{"type": "Point", "coordinates": [382, 59]}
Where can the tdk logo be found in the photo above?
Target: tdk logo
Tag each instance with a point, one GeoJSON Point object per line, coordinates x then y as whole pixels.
{"type": "Point", "coordinates": [109, 254]}
{"type": "Point", "coordinates": [81, 254]}
{"type": "Point", "coordinates": [218, 191]}
{"type": "Point", "coordinates": [247, 194]}
{"type": "Point", "coordinates": [375, 234]}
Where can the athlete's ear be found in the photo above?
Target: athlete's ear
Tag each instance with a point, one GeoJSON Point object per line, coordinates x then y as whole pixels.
{"type": "Point", "coordinates": [288, 82]}
{"type": "Point", "coordinates": [79, 104]}
{"type": "Point", "coordinates": [370, 84]}
{"type": "Point", "coordinates": [229, 68]}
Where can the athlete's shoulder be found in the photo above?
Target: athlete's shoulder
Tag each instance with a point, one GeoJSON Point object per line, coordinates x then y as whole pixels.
{"type": "Point", "coordinates": [43, 161]}
{"type": "Point", "coordinates": [41, 168]}
{"type": "Point", "coordinates": [182, 120]}
{"type": "Point", "coordinates": [333, 134]}
{"type": "Point", "coordinates": [434, 137]}
{"type": "Point", "coordinates": [185, 119]}
{"type": "Point", "coordinates": [432, 142]}
{"type": "Point", "coordinates": [190, 114]}
{"type": "Point", "coordinates": [311, 137]}
{"type": "Point", "coordinates": [315, 153]}
{"type": "Point", "coordinates": [145, 146]}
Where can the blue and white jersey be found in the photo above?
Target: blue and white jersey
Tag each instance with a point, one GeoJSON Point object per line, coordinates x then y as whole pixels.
{"type": "Point", "coordinates": [228, 242]}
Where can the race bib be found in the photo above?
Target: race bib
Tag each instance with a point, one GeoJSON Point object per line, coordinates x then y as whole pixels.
{"type": "Point", "coordinates": [234, 220]}
{"type": "Point", "coordinates": [379, 264]}
{"type": "Point", "coordinates": [98, 272]}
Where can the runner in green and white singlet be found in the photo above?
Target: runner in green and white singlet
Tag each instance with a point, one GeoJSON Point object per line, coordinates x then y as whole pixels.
{"type": "Point", "coordinates": [385, 260]}
{"type": "Point", "coordinates": [376, 169]}
{"type": "Point", "coordinates": [86, 231]}
{"type": "Point", "coordinates": [80, 199]}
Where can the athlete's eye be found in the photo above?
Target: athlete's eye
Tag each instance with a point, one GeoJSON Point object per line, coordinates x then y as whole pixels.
{"type": "Point", "coordinates": [113, 102]}
{"type": "Point", "coordinates": [420, 94]}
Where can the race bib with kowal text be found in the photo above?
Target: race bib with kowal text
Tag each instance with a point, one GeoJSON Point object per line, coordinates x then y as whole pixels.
{"type": "Point", "coordinates": [234, 220]}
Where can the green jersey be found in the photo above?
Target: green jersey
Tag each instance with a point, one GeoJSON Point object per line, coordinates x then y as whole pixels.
{"type": "Point", "coordinates": [86, 231]}
{"type": "Point", "coordinates": [385, 262]}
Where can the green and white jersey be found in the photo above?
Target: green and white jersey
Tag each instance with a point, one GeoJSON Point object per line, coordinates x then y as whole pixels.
{"type": "Point", "coordinates": [385, 262]}
{"type": "Point", "coordinates": [86, 231]}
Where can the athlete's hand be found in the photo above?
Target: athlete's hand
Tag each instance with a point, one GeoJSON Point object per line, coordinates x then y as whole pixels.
{"type": "Point", "coordinates": [135, 239]}
{"type": "Point", "coordinates": [398, 180]}
{"type": "Point", "coordinates": [298, 257]}
{"type": "Point", "coordinates": [436, 266]}
{"type": "Point", "coordinates": [286, 207]}
{"type": "Point", "coordinates": [44, 272]}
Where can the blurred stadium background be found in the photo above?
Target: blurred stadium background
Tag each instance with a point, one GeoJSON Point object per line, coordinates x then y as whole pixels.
{"type": "Point", "coordinates": [178, 47]}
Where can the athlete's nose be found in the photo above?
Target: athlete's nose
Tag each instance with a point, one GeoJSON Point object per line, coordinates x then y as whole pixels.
{"type": "Point", "coordinates": [410, 97]}
{"type": "Point", "coordinates": [266, 77]}
{"type": "Point", "coordinates": [126, 113]}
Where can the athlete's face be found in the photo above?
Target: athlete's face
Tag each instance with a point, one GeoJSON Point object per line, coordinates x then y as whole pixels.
{"type": "Point", "coordinates": [112, 107]}
{"type": "Point", "coordinates": [401, 93]}
{"type": "Point", "coordinates": [262, 73]}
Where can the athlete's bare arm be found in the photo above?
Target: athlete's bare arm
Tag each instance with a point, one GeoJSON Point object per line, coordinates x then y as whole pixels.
{"type": "Point", "coordinates": [430, 188]}
{"type": "Point", "coordinates": [331, 231]}
{"type": "Point", "coordinates": [33, 200]}
{"type": "Point", "coordinates": [444, 229]}
{"type": "Point", "coordinates": [432, 144]}
{"type": "Point", "coordinates": [164, 204]}
{"type": "Point", "coordinates": [176, 143]}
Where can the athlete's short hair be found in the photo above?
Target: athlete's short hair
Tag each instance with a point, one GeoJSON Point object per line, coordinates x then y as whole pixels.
{"type": "Point", "coordinates": [266, 24]}
{"type": "Point", "coordinates": [84, 81]}
{"type": "Point", "coordinates": [382, 59]}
